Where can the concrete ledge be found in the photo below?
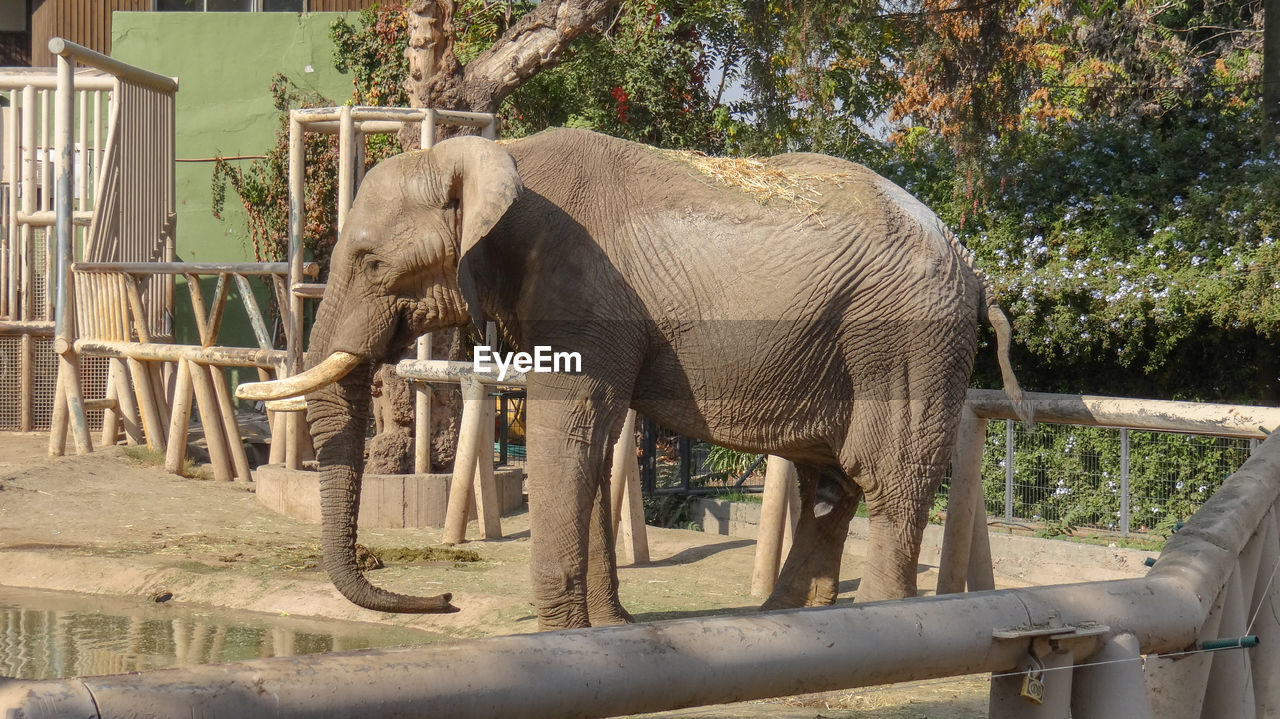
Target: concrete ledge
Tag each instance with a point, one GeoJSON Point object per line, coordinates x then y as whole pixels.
{"type": "Point", "coordinates": [1015, 558]}
{"type": "Point", "coordinates": [387, 501]}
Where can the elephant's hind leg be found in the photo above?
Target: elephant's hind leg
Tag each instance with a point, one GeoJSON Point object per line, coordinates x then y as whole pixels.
{"type": "Point", "coordinates": [907, 446]}
{"type": "Point", "coordinates": [811, 574]}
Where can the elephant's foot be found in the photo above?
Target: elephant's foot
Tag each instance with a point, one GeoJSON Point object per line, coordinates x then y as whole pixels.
{"type": "Point", "coordinates": [610, 616]}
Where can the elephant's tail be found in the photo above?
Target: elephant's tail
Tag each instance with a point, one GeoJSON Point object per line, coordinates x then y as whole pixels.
{"type": "Point", "coordinates": [1004, 339]}
{"type": "Point", "coordinates": [1004, 331]}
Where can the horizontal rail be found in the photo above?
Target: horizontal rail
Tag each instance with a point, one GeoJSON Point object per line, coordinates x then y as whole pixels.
{"type": "Point", "coordinates": [47, 218]}
{"type": "Point", "coordinates": [194, 268]}
{"type": "Point", "coordinates": [13, 79]}
{"type": "Point", "coordinates": [27, 327]}
{"type": "Point", "coordinates": [156, 352]}
{"type": "Point", "coordinates": [1222, 420]}
{"type": "Point", "coordinates": [135, 75]}
{"type": "Point", "coordinates": [630, 669]}
{"type": "Point", "coordinates": [312, 290]}
{"type": "Point", "coordinates": [446, 371]}
{"type": "Point", "coordinates": [399, 115]}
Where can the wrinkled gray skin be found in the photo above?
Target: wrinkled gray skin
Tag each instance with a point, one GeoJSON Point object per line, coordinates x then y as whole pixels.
{"type": "Point", "coordinates": [839, 336]}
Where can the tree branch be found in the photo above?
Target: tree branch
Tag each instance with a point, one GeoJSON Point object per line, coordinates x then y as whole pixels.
{"type": "Point", "coordinates": [534, 43]}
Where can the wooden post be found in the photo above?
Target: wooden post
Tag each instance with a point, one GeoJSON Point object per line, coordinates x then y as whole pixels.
{"type": "Point", "coordinates": [962, 503]}
{"type": "Point", "coordinates": [58, 423]}
{"type": "Point", "coordinates": [179, 421]}
{"type": "Point", "coordinates": [111, 415]}
{"type": "Point", "coordinates": [297, 215]}
{"type": "Point", "coordinates": [980, 573]}
{"type": "Point", "coordinates": [26, 413]}
{"type": "Point", "coordinates": [422, 415]}
{"type": "Point", "coordinates": [470, 435]}
{"type": "Point", "coordinates": [486, 485]}
{"type": "Point", "coordinates": [626, 502]}
{"type": "Point", "coordinates": [124, 403]}
{"type": "Point", "coordinates": [779, 475]}
{"type": "Point", "coordinates": [211, 421]}
{"type": "Point", "coordinates": [230, 428]}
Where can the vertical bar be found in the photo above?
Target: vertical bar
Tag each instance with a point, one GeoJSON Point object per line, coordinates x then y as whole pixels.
{"type": "Point", "coordinates": [504, 428]}
{"type": "Point", "coordinates": [428, 131]}
{"type": "Point", "coordinates": [618, 472]}
{"type": "Point", "coordinates": [179, 420]}
{"type": "Point", "coordinates": [27, 240]}
{"type": "Point", "coordinates": [1008, 470]}
{"type": "Point", "coordinates": [779, 475]}
{"type": "Point", "coordinates": [69, 364]}
{"type": "Point", "coordinates": [685, 448]}
{"type": "Point", "coordinates": [470, 434]}
{"type": "Point", "coordinates": [649, 471]}
{"type": "Point", "coordinates": [297, 216]}
{"type": "Point", "coordinates": [346, 165]}
{"type": "Point", "coordinates": [1124, 482]}
{"type": "Point", "coordinates": [966, 482]}
{"type": "Point", "coordinates": [1006, 701]}
{"type": "Point", "coordinates": [1110, 683]}
{"type": "Point", "coordinates": [422, 415]}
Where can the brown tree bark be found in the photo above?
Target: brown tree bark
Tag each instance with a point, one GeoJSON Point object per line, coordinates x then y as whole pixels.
{"type": "Point", "coordinates": [1270, 70]}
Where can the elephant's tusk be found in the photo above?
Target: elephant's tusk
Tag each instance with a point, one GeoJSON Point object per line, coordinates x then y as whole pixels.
{"type": "Point", "coordinates": [332, 369]}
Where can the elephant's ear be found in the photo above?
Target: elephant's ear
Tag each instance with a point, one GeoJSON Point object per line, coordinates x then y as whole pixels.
{"type": "Point", "coordinates": [484, 183]}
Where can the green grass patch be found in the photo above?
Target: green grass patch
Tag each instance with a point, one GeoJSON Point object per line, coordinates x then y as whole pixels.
{"type": "Point", "coordinates": [153, 458]}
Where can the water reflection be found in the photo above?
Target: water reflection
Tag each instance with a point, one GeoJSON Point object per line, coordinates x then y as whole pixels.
{"type": "Point", "coordinates": [47, 635]}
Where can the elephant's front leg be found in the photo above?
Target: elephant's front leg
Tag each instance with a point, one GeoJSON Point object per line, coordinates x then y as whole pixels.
{"type": "Point", "coordinates": [570, 424]}
{"type": "Point", "coordinates": [603, 605]}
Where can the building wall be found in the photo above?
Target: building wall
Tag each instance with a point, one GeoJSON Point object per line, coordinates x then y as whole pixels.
{"type": "Point", "coordinates": [224, 63]}
{"type": "Point", "coordinates": [86, 22]}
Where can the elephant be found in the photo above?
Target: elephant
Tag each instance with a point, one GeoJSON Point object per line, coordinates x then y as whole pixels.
{"type": "Point", "coordinates": [799, 305]}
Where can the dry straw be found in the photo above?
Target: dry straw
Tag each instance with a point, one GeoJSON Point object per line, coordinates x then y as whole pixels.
{"type": "Point", "coordinates": [760, 180]}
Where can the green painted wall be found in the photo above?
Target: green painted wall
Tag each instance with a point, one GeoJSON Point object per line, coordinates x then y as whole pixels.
{"type": "Point", "coordinates": [224, 63]}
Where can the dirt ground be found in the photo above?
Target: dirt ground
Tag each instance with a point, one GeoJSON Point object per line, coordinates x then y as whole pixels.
{"type": "Point", "coordinates": [107, 524]}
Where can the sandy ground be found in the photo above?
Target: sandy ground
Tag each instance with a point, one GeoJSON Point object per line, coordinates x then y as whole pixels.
{"type": "Point", "coordinates": [106, 524]}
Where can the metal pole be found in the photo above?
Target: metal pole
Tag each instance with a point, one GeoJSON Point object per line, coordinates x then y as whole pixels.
{"type": "Point", "coordinates": [1124, 482]}
{"type": "Point", "coordinates": [297, 217]}
{"type": "Point", "coordinates": [346, 166]}
{"type": "Point", "coordinates": [1008, 470]}
{"type": "Point", "coordinates": [69, 365]}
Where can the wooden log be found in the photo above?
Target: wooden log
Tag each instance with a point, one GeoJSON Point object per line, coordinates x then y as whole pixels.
{"type": "Point", "coordinates": [634, 535]}
{"type": "Point", "coordinates": [486, 484]}
{"type": "Point", "coordinates": [779, 474]}
{"type": "Point", "coordinates": [26, 410]}
{"type": "Point", "coordinates": [144, 392]}
{"type": "Point", "coordinates": [231, 428]}
{"type": "Point", "coordinates": [179, 421]}
{"type": "Point", "coordinates": [129, 416]}
{"type": "Point", "coordinates": [196, 268]}
{"type": "Point", "coordinates": [422, 415]}
{"type": "Point", "coordinates": [155, 352]}
{"type": "Point", "coordinates": [966, 482]}
{"type": "Point", "coordinates": [470, 434]}
{"type": "Point", "coordinates": [211, 422]}
{"type": "Point", "coordinates": [69, 377]}
{"type": "Point", "coordinates": [277, 421]}
{"type": "Point", "coordinates": [58, 423]}
{"type": "Point", "coordinates": [111, 415]}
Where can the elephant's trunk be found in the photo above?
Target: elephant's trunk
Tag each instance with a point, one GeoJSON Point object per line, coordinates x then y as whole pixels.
{"type": "Point", "coordinates": [340, 416]}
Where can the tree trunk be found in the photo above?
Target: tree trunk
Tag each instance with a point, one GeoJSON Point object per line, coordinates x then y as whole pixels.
{"type": "Point", "coordinates": [1270, 70]}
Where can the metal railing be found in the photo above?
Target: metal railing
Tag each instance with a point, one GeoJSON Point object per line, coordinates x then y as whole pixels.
{"type": "Point", "coordinates": [1200, 634]}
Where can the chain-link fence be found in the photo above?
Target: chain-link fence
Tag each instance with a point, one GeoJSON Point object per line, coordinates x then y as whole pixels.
{"type": "Point", "coordinates": [1120, 480]}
